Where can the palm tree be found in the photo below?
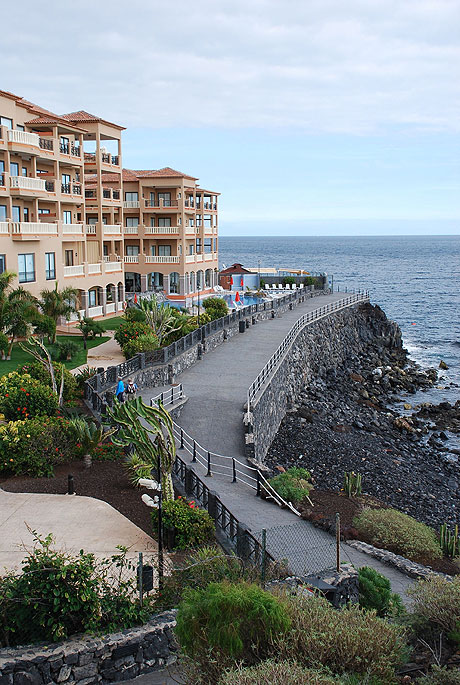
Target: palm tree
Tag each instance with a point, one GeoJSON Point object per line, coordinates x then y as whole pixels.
{"type": "Point", "coordinates": [18, 309]}
{"type": "Point", "coordinates": [56, 303]}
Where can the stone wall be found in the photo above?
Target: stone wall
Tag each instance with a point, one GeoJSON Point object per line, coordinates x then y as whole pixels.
{"type": "Point", "coordinates": [87, 660]}
{"type": "Point", "coordinates": [345, 582]}
{"type": "Point", "coordinates": [323, 344]}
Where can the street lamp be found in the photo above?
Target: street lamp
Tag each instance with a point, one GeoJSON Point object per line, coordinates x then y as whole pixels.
{"type": "Point", "coordinates": [258, 269]}
{"type": "Point", "coordinates": [156, 503]}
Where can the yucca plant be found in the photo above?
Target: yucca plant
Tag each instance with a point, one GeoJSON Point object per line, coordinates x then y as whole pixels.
{"type": "Point", "coordinates": [352, 484]}
{"type": "Point", "coordinates": [449, 541]}
{"type": "Point", "coordinates": [89, 435]}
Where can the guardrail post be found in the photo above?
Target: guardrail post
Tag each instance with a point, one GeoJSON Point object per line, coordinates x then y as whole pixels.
{"type": "Point", "coordinates": [209, 465]}
{"type": "Point", "coordinates": [212, 508]}
{"type": "Point", "coordinates": [188, 485]}
{"type": "Point", "coordinates": [181, 439]}
{"type": "Point", "coordinates": [242, 541]}
{"type": "Point", "coordinates": [258, 484]}
{"type": "Point", "coordinates": [263, 558]}
{"type": "Point", "coordinates": [194, 452]}
{"type": "Point", "coordinates": [234, 470]}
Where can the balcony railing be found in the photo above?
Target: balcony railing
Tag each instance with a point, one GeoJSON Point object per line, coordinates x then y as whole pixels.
{"type": "Point", "coordinates": [49, 186]}
{"type": "Point", "coordinates": [161, 204]}
{"type": "Point", "coordinates": [33, 228]}
{"type": "Point", "coordinates": [114, 266]}
{"type": "Point", "coordinates": [131, 204]}
{"type": "Point", "coordinates": [189, 203]}
{"type": "Point", "coordinates": [46, 144]}
{"type": "Point", "coordinates": [210, 205]}
{"type": "Point", "coordinates": [115, 160]}
{"type": "Point", "coordinates": [91, 229]}
{"type": "Point", "coordinates": [74, 270]}
{"type": "Point", "coordinates": [75, 151]}
{"type": "Point", "coordinates": [89, 194]}
{"type": "Point", "coordinates": [64, 148]}
{"type": "Point", "coordinates": [71, 188]}
{"type": "Point", "coordinates": [131, 229]}
{"type": "Point", "coordinates": [89, 157]}
{"type": "Point", "coordinates": [26, 182]}
{"type": "Point", "coordinates": [106, 158]}
{"type": "Point", "coordinates": [2, 179]}
{"type": "Point", "coordinates": [161, 259]}
{"type": "Point", "coordinates": [112, 229]}
{"type": "Point", "coordinates": [162, 229]}
{"type": "Point", "coordinates": [131, 259]}
{"type": "Point", "coordinates": [4, 227]}
{"type": "Point", "coordinates": [23, 137]}
{"type": "Point", "coordinates": [72, 229]}
{"type": "Point", "coordinates": [94, 268]}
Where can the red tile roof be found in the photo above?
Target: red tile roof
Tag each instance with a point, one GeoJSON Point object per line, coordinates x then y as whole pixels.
{"type": "Point", "coordinates": [235, 269]}
{"type": "Point", "coordinates": [82, 117]}
{"type": "Point", "coordinates": [45, 116]}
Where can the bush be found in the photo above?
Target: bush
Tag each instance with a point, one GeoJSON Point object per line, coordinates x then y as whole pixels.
{"type": "Point", "coordinates": [397, 532]}
{"type": "Point", "coordinates": [90, 328]}
{"type": "Point", "coordinates": [38, 371]}
{"type": "Point", "coordinates": [437, 600]}
{"type": "Point", "coordinates": [143, 343]}
{"type": "Point", "coordinates": [35, 446]}
{"type": "Point", "coordinates": [193, 526]}
{"type": "Point", "coordinates": [347, 641]}
{"type": "Point", "coordinates": [226, 621]}
{"type": "Point", "coordinates": [45, 325]}
{"type": "Point", "coordinates": [204, 319]}
{"type": "Point", "coordinates": [57, 595]}
{"type": "Point", "coordinates": [134, 314]}
{"type": "Point", "coordinates": [293, 485]}
{"type": "Point", "coordinates": [23, 397]}
{"type": "Point", "coordinates": [130, 330]}
{"type": "Point", "coordinates": [83, 374]}
{"type": "Point", "coordinates": [375, 593]}
{"type": "Point", "coordinates": [277, 672]}
{"type": "Point", "coordinates": [440, 676]}
{"type": "Point", "coordinates": [216, 307]}
{"type": "Point", "coordinates": [64, 350]}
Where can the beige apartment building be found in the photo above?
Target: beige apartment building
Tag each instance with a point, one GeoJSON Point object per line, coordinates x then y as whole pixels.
{"type": "Point", "coordinates": [70, 213]}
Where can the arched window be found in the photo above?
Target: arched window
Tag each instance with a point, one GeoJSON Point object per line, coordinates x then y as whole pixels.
{"type": "Point", "coordinates": [208, 278]}
{"type": "Point", "coordinates": [174, 282]}
{"type": "Point", "coordinates": [199, 280]}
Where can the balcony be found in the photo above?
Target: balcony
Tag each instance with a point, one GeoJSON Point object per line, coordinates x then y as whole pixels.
{"type": "Point", "coordinates": [74, 270]}
{"type": "Point", "coordinates": [131, 229]}
{"type": "Point", "coordinates": [157, 259]}
{"type": "Point", "coordinates": [162, 230]}
{"type": "Point", "coordinates": [189, 203]}
{"type": "Point", "coordinates": [72, 229]}
{"type": "Point", "coordinates": [107, 194]}
{"type": "Point", "coordinates": [161, 204]}
{"type": "Point", "coordinates": [32, 230]}
{"type": "Point", "coordinates": [131, 259]}
{"type": "Point", "coordinates": [131, 204]}
{"type": "Point", "coordinates": [94, 269]}
{"type": "Point", "coordinates": [23, 138]}
{"type": "Point", "coordinates": [4, 230]}
{"type": "Point", "coordinates": [49, 186]}
{"type": "Point", "coordinates": [112, 229]}
{"type": "Point", "coordinates": [71, 188]}
{"type": "Point", "coordinates": [26, 182]}
{"type": "Point", "coordinates": [113, 266]}
{"type": "Point", "coordinates": [91, 229]}
{"type": "Point", "coordinates": [210, 205]}
{"type": "Point", "coordinates": [46, 144]}
{"type": "Point", "coordinates": [192, 230]}
{"type": "Point", "coordinates": [106, 158]}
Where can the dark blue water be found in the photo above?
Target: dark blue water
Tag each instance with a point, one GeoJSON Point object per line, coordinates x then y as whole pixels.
{"type": "Point", "coordinates": [415, 279]}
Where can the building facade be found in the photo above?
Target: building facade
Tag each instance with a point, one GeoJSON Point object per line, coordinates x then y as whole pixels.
{"type": "Point", "coordinates": [69, 213]}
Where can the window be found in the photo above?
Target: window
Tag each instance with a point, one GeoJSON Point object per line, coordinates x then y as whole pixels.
{"type": "Point", "coordinates": [152, 199]}
{"type": "Point", "coordinates": [65, 147]}
{"type": "Point", "coordinates": [198, 245]}
{"type": "Point", "coordinates": [207, 245]}
{"type": "Point", "coordinates": [179, 196]}
{"type": "Point", "coordinates": [164, 250]}
{"type": "Point", "coordinates": [132, 221]}
{"type": "Point", "coordinates": [191, 222]}
{"type": "Point", "coordinates": [50, 265]}
{"type": "Point", "coordinates": [19, 127]}
{"type": "Point", "coordinates": [152, 221]}
{"type": "Point", "coordinates": [198, 219]}
{"type": "Point", "coordinates": [4, 121]}
{"type": "Point", "coordinates": [14, 169]}
{"type": "Point", "coordinates": [132, 250]}
{"type": "Point", "coordinates": [179, 221]}
{"type": "Point", "coordinates": [191, 249]}
{"type": "Point", "coordinates": [215, 244]}
{"type": "Point", "coordinates": [2, 212]}
{"type": "Point", "coordinates": [92, 298]}
{"type": "Point", "coordinates": [166, 197]}
{"type": "Point", "coordinates": [153, 250]}
{"type": "Point", "coordinates": [207, 220]}
{"type": "Point", "coordinates": [131, 197]}
{"type": "Point", "coordinates": [26, 267]}
{"type": "Point", "coordinates": [164, 221]}
{"type": "Point", "coordinates": [92, 221]}
{"type": "Point", "coordinates": [43, 211]}
{"type": "Point", "coordinates": [66, 217]}
{"type": "Point", "coordinates": [2, 166]}
{"type": "Point", "coordinates": [25, 214]}
{"type": "Point", "coordinates": [68, 257]}
{"type": "Point", "coordinates": [16, 213]}
{"type": "Point", "coordinates": [2, 263]}
{"type": "Point", "coordinates": [24, 171]}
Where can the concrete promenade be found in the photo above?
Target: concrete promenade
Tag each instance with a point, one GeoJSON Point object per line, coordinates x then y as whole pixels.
{"type": "Point", "coordinates": [216, 388]}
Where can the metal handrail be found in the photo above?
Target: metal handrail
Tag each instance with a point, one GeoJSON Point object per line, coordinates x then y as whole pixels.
{"type": "Point", "coordinates": [275, 360]}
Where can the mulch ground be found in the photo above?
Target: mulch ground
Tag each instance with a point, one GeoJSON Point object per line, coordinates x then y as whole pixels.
{"type": "Point", "coordinates": [106, 481]}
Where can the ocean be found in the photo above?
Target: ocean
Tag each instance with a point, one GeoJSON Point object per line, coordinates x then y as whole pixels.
{"type": "Point", "coordinates": [415, 279]}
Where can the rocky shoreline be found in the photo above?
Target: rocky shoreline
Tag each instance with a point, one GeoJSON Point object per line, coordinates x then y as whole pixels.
{"type": "Point", "coordinates": [345, 420]}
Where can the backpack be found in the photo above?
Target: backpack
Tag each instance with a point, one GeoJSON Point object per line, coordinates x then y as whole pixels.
{"type": "Point", "coordinates": [131, 389]}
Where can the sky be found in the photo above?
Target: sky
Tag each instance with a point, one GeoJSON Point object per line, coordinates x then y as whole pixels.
{"type": "Point", "coordinates": [309, 116]}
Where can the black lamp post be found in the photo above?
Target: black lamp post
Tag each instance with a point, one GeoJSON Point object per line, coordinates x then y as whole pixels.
{"type": "Point", "coordinates": [160, 527]}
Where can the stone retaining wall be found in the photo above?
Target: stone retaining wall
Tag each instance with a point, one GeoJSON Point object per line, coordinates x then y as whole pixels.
{"type": "Point", "coordinates": [322, 345]}
{"type": "Point", "coordinates": [87, 660]}
{"type": "Point", "coordinates": [410, 568]}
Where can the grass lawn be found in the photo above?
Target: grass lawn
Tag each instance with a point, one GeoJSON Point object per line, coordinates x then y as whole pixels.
{"type": "Point", "coordinates": [19, 357]}
{"type": "Point", "coordinates": [111, 324]}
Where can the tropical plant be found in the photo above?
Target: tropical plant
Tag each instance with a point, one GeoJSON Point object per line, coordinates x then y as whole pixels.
{"type": "Point", "coordinates": [89, 436]}
{"type": "Point", "coordinates": [18, 310]}
{"type": "Point", "coordinates": [449, 541]}
{"type": "Point", "coordinates": [216, 307]}
{"type": "Point", "coordinates": [133, 313]}
{"type": "Point", "coordinates": [58, 303]}
{"type": "Point", "coordinates": [158, 317]}
{"type": "Point", "coordinates": [65, 350]}
{"type": "Point", "coordinates": [352, 484]}
{"type": "Point", "coordinates": [23, 397]}
{"type": "Point", "coordinates": [44, 325]}
{"type": "Point", "coordinates": [129, 331]}
{"type": "Point", "coordinates": [293, 485]}
{"type": "Point", "coordinates": [143, 343]}
{"type": "Point", "coordinates": [89, 329]}
{"type": "Point", "coordinates": [41, 372]}
{"type": "Point", "coordinates": [153, 443]}
{"type": "Point", "coordinates": [375, 593]}
{"type": "Point", "coordinates": [40, 353]}
{"type": "Point", "coordinates": [192, 526]}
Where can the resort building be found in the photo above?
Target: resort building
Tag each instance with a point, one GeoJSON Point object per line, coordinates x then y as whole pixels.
{"type": "Point", "coordinates": [69, 213]}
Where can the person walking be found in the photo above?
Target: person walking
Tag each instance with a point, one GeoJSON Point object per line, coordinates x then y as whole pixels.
{"type": "Point", "coordinates": [131, 388]}
{"type": "Point", "coordinates": [120, 391]}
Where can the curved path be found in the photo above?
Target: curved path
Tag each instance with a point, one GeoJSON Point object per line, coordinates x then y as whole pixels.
{"type": "Point", "coordinates": [216, 388]}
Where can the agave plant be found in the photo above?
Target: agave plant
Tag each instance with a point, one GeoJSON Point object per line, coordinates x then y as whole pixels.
{"type": "Point", "coordinates": [89, 435]}
{"type": "Point", "coordinates": [159, 317]}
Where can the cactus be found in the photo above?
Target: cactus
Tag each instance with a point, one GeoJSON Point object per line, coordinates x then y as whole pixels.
{"type": "Point", "coordinates": [352, 484]}
{"type": "Point", "coordinates": [449, 541]}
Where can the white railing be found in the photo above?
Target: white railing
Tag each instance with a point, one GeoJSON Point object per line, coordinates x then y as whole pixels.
{"type": "Point", "coordinates": [190, 258]}
{"type": "Point", "coordinates": [198, 257]}
{"type": "Point", "coordinates": [76, 270]}
{"type": "Point", "coordinates": [94, 268]}
{"type": "Point", "coordinates": [209, 257]}
{"type": "Point", "coordinates": [23, 137]}
{"type": "Point", "coordinates": [191, 230]}
{"type": "Point", "coordinates": [131, 229]}
{"type": "Point", "coordinates": [27, 183]}
{"type": "Point", "coordinates": [95, 311]}
{"type": "Point", "coordinates": [110, 308]}
{"type": "Point", "coordinates": [4, 227]}
{"type": "Point", "coordinates": [34, 228]}
{"type": "Point", "coordinates": [114, 266]}
{"type": "Point", "coordinates": [131, 259]}
{"type": "Point", "coordinates": [131, 204]}
{"type": "Point", "coordinates": [74, 229]}
{"type": "Point", "coordinates": [162, 229]}
{"type": "Point", "coordinates": [161, 260]}
{"type": "Point", "coordinates": [112, 229]}
{"type": "Point", "coordinates": [90, 229]}
{"type": "Point", "coordinates": [120, 306]}
{"type": "Point", "coordinates": [275, 360]}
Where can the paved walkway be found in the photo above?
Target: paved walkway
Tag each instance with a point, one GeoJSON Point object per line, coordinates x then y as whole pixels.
{"type": "Point", "coordinates": [216, 388]}
{"type": "Point", "coordinates": [75, 522]}
{"type": "Point", "coordinates": [104, 355]}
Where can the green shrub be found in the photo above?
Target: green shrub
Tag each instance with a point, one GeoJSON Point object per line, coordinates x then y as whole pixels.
{"type": "Point", "coordinates": [397, 532]}
{"type": "Point", "coordinates": [193, 526]}
{"type": "Point", "coordinates": [57, 595]}
{"type": "Point", "coordinates": [134, 314]}
{"type": "Point", "coordinates": [23, 397]}
{"type": "Point", "coordinates": [375, 593]}
{"type": "Point", "coordinates": [216, 307]}
{"type": "Point", "coordinates": [4, 343]}
{"type": "Point", "coordinates": [45, 325]}
{"type": "Point", "coordinates": [277, 673]}
{"type": "Point", "coordinates": [204, 318]}
{"type": "Point", "coordinates": [437, 600]}
{"type": "Point", "coordinates": [83, 374]}
{"type": "Point", "coordinates": [293, 485]}
{"type": "Point", "coordinates": [64, 350]}
{"type": "Point", "coordinates": [38, 371]}
{"type": "Point", "coordinates": [440, 676]}
{"type": "Point", "coordinates": [129, 330]}
{"type": "Point", "coordinates": [35, 446]}
{"type": "Point", "coordinates": [347, 641]}
{"type": "Point", "coordinates": [143, 343]}
{"type": "Point", "coordinates": [289, 280]}
{"type": "Point", "coordinates": [90, 328]}
{"type": "Point", "coordinates": [224, 621]}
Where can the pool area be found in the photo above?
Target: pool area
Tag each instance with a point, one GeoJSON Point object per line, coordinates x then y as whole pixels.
{"type": "Point", "coordinates": [244, 301]}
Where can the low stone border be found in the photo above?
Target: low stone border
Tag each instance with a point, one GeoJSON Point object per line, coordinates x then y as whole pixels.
{"type": "Point", "coordinates": [410, 568]}
{"type": "Point", "coordinates": [86, 660]}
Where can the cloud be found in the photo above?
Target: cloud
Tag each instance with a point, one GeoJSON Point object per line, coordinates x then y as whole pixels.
{"type": "Point", "coordinates": [359, 67]}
